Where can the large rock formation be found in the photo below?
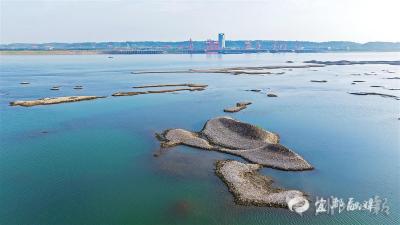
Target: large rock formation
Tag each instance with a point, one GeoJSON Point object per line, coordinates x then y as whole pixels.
{"type": "Point", "coordinates": [227, 135]}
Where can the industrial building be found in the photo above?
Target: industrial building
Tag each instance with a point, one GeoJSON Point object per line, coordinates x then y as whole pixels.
{"type": "Point", "coordinates": [221, 41]}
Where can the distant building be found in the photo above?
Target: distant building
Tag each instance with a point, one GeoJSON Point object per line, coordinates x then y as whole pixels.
{"type": "Point", "coordinates": [221, 40]}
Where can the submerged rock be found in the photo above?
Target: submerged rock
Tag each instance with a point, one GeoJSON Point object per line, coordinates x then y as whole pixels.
{"type": "Point", "coordinates": [254, 90]}
{"type": "Point", "coordinates": [129, 93]}
{"type": "Point", "coordinates": [251, 188]}
{"type": "Point", "coordinates": [227, 135]}
{"type": "Point", "coordinates": [57, 100]}
{"type": "Point", "coordinates": [346, 62]}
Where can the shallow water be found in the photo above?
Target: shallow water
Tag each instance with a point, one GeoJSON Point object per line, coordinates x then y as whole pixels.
{"type": "Point", "coordinates": [92, 162]}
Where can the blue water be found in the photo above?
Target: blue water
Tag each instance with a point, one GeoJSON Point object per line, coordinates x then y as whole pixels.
{"type": "Point", "coordinates": [92, 162]}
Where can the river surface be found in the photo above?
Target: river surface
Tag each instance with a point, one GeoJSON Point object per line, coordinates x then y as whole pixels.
{"type": "Point", "coordinates": [92, 163]}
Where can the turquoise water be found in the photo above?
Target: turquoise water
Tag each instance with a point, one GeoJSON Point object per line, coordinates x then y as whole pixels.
{"type": "Point", "coordinates": [92, 162]}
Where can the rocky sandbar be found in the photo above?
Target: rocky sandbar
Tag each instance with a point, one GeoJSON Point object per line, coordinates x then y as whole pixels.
{"type": "Point", "coordinates": [56, 100]}
{"type": "Point", "coordinates": [172, 85]}
{"type": "Point", "coordinates": [251, 188]}
{"type": "Point", "coordinates": [131, 93]}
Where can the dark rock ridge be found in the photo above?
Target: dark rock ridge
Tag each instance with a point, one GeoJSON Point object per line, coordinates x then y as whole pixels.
{"type": "Point", "coordinates": [345, 62]}
{"type": "Point", "coordinates": [272, 95]}
{"type": "Point", "coordinates": [254, 90]}
{"type": "Point", "coordinates": [318, 81]}
{"type": "Point", "coordinates": [225, 134]}
{"type": "Point", "coordinates": [249, 187]}
{"type": "Point", "coordinates": [185, 87]}
{"type": "Point", "coordinates": [374, 93]}
{"type": "Point", "coordinates": [172, 85]}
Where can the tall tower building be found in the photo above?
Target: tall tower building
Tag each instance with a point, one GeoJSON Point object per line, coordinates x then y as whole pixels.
{"type": "Point", "coordinates": [221, 40]}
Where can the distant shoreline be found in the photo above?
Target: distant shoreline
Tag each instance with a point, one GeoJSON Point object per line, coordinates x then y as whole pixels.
{"type": "Point", "coordinates": [50, 52]}
{"type": "Point", "coordinates": [102, 52]}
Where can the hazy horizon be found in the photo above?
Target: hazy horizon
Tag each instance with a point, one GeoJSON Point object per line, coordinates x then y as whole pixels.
{"type": "Point", "coordinates": [71, 21]}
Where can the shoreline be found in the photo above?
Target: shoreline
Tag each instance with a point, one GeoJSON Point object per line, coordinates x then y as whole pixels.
{"type": "Point", "coordinates": [104, 52]}
{"type": "Point", "coordinates": [50, 52]}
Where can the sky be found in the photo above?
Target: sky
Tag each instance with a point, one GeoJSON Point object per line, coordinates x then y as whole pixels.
{"type": "Point", "coordinates": [40, 21]}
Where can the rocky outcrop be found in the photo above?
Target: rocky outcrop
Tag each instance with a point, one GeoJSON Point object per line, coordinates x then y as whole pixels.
{"type": "Point", "coordinates": [251, 188]}
{"type": "Point", "coordinates": [272, 95]}
{"type": "Point", "coordinates": [239, 106]}
{"type": "Point", "coordinates": [56, 100]}
{"type": "Point", "coordinates": [173, 137]}
{"type": "Point", "coordinates": [227, 135]}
